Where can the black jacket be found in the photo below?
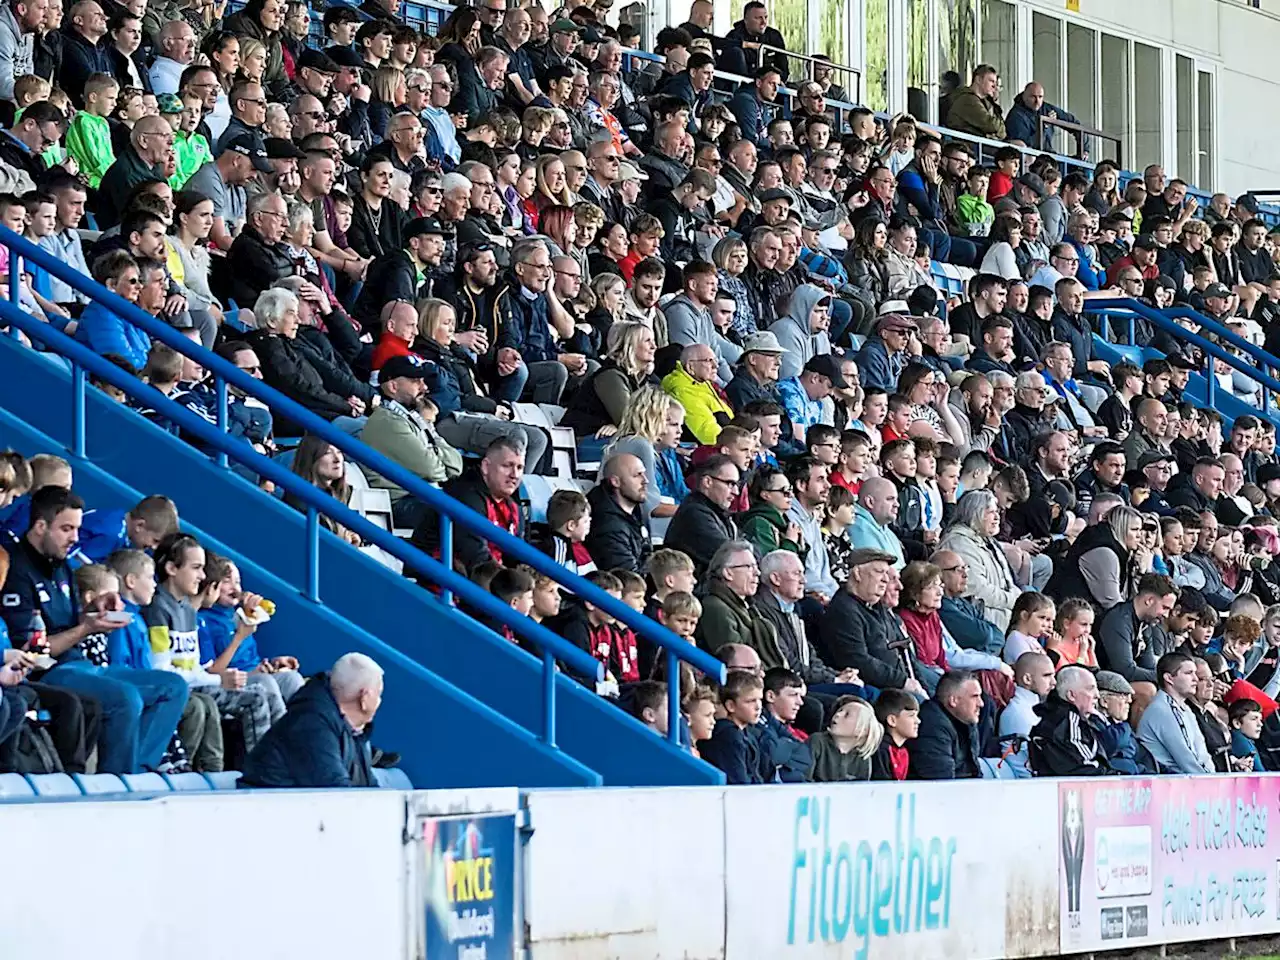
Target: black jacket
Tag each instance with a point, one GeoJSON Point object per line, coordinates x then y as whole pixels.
{"type": "Point", "coordinates": [770, 38]}
{"type": "Point", "coordinates": [1063, 743]}
{"type": "Point", "coordinates": [1181, 492]}
{"type": "Point", "coordinates": [253, 265]}
{"type": "Point", "coordinates": [1067, 580]}
{"type": "Point", "coordinates": [80, 60]}
{"type": "Point", "coordinates": [1123, 645]}
{"type": "Point", "coordinates": [946, 748]}
{"type": "Point", "coordinates": [1025, 424]}
{"type": "Point", "coordinates": [334, 371]}
{"type": "Point", "coordinates": [856, 635]}
{"type": "Point", "coordinates": [391, 276]}
{"type": "Point", "coordinates": [793, 644]}
{"type": "Point", "coordinates": [617, 539]}
{"type": "Point", "coordinates": [370, 239]}
{"type": "Point", "coordinates": [312, 745]}
{"type": "Point", "coordinates": [698, 528]}
{"type": "Point", "coordinates": [468, 548]}
{"type": "Point", "coordinates": [287, 366]}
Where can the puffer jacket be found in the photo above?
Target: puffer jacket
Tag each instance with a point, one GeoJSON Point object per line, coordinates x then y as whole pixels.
{"type": "Point", "coordinates": [451, 380]}
{"type": "Point", "coordinates": [288, 368]}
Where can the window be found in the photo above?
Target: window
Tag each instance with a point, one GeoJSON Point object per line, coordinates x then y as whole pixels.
{"type": "Point", "coordinates": [790, 17]}
{"type": "Point", "coordinates": [1082, 87]}
{"type": "Point", "coordinates": [1147, 105]}
{"type": "Point", "coordinates": [875, 28]}
{"type": "Point", "coordinates": [1046, 56]}
{"type": "Point", "coordinates": [918, 59]}
{"type": "Point", "coordinates": [1000, 44]}
{"type": "Point", "coordinates": [1206, 108]}
{"type": "Point", "coordinates": [1115, 92]}
{"type": "Point", "coordinates": [1184, 72]}
{"type": "Point", "coordinates": [835, 33]}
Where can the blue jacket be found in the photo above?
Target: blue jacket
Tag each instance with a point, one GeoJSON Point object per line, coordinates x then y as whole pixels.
{"type": "Point", "coordinates": [312, 745]}
{"type": "Point", "coordinates": [130, 646]}
{"type": "Point", "coordinates": [670, 476]}
{"type": "Point", "coordinates": [875, 367]}
{"type": "Point", "coordinates": [37, 583]}
{"type": "Point", "coordinates": [965, 622]}
{"type": "Point", "coordinates": [1092, 277]}
{"type": "Point", "coordinates": [783, 756]}
{"type": "Point", "coordinates": [1119, 743]}
{"type": "Point", "coordinates": [217, 627]}
{"type": "Point", "coordinates": [103, 332]}
{"type": "Point", "coordinates": [1023, 123]}
{"type": "Point", "coordinates": [523, 324]}
{"type": "Point", "coordinates": [753, 116]}
{"type": "Point", "coordinates": [16, 517]}
{"type": "Point", "coordinates": [1242, 746]}
{"type": "Point", "coordinates": [732, 751]}
{"type": "Point", "coordinates": [921, 194]}
{"type": "Point", "coordinates": [102, 533]}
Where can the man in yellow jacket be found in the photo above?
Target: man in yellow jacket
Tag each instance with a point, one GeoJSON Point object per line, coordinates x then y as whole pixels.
{"type": "Point", "coordinates": [692, 382]}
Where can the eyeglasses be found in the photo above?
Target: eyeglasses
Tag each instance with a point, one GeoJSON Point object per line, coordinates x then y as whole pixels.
{"type": "Point", "coordinates": [576, 169]}
{"type": "Point", "coordinates": [1066, 259]}
{"type": "Point", "coordinates": [958, 566]}
{"type": "Point", "coordinates": [260, 101]}
{"type": "Point", "coordinates": [312, 114]}
{"type": "Point", "coordinates": [785, 491]}
{"type": "Point", "coordinates": [743, 566]}
{"type": "Point", "coordinates": [731, 484]}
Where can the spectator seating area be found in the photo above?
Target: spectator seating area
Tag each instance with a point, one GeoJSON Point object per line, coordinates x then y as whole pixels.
{"type": "Point", "coordinates": [666, 411]}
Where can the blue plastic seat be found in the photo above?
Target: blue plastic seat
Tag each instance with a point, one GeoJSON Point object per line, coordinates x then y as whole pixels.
{"type": "Point", "coordinates": [186, 782]}
{"type": "Point", "coordinates": [97, 784]}
{"type": "Point", "coordinates": [14, 786]}
{"type": "Point", "coordinates": [53, 785]}
{"type": "Point", "coordinates": [392, 779]}
{"type": "Point", "coordinates": [145, 783]}
{"type": "Point", "coordinates": [224, 780]}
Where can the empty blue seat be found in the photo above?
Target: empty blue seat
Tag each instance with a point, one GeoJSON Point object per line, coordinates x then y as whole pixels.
{"type": "Point", "coordinates": [224, 780]}
{"type": "Point", "coordinates": [96, 784]}
{"type": "Point", "coordinates": [53, 785]}
{"type": "Point", "coordinates": [392, 779]}
{"type": "Point", "coordinates": [144, 783]}
{"type": "Point", "coordinates": [14, 786]}
{"type": "Point", "coordinates": [186, 782]}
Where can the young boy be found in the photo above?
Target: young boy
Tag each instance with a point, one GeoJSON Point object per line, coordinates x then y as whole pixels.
{"type": "Point", "coordinates": [899, 714]}
{"type": "Point", "coordinates": [1245, 717]}
{"type": "Point", "coordinates": [927, 478]}
{"type": "Point", "coordinates": [625, 656]}
{"type": "Point", "coordinates": [948, 483]}
{"type": "Point", "coordinates": [903, 145]}
{"type": "Point", "coordinates": [784, 755]}
{"type": "Point", "coordinates": [175, 639]}
{"type": "Point", "coordinates": [680, 613]}
{"type": "Point", "coordinates": [973, 214]}
{"type": "Point", "coordinates": [29, 89]}
{"type": "Point", "coordinates": [699, 713]}
{"type": "Point", "coordinates": [191, 148]}
{"type": "Point", "coordinates": [649, 705]}
{"type": "Point", "coordinates": [1116, 412]}
{"type": "Point", "coordinates": [227, 641]}
{"type": "Point", "coordinates": [199, 743]}
{"type": "Point", "coordinates": [591, 629]}
{"type": "Point", "coordinates": [514, 587]}
{"type": "Point", "coordinates": [89, 133]}
{"type": "Point", "coordinates": [898, 464]}
{"type": "Point", "coordinates": [568, 523]}
{"type": "Point", "coordinates": [733, 748]}
{"type": "Point", "coordinates": [851, 469]}
{"type": "Point", "coordinates": [839, 518]}
{"type": "Point", "coordinates": [898, 421]}
{"type": "Point", "coordinates": [823, 444]}
{"type": "Point", "coordinates": [546, 596]}
{"type": "Point", "coordinates": [671, 571]}
{"type": "Point", "coordinates": [1008, 165]}
{"type": "Point", "coordinates": [975, 471]}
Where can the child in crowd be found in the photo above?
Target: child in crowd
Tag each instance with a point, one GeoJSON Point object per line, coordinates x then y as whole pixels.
{"type": "Point", "coordinates": [835, 531]}
{"type": "Point", "coordinates": [899, 714]}
{"type": "Point", "coordinates": [546, 596]}
{"type": "Point", "coordinates": [568, 523]}
{"type": "Point", "coordinates": [1071, 641]}
{"type": "Point", "coordinates": [975, 471]}
{"type": "Point", "coordinates": [851, 469]}
{"type": "Point", "coordinates": [589, 628]}
{"type": "Point", "coordinates": [1116, 412]}
{"type": "Point", "coordinates": [784, 754]}
{"type": "Point", "coordinates": [733, 747]}
{"type": "Point", "coordinates": [1030, 625]}
{"type": "Point", "coordinates": [844, 751]}
{"type": "Point", "coordinates": [898, 420]}
{"type": "Point", "coordinates": [513, 587]}
{"type": "Point", "coordinates": [89, 133]}
{"type": "Point", "coordinates": [698, 711]}
{"type": "Point", "coordinates": [973, 213]}
{"type": "Point", "coordinates": [227, 640]}
{"type": "Point", "coordinates": [671, 571]}
{"type": "Point", "coordinates": [185, 112]}
{"type": "Point", "coordinates": [199, 743]}
{"type": "Point", "coordinates": [927, 481]}
{"type": "Point", "coordinates": [649, 705]}
{"type": "Point", "coordinates": [624, 654]}
{"type": "Point", "coordinates": [948, 483]}
{"type": "Point", "coordinates": [903, 145]}
{"type": "Point", "coordinates": [1008, 162]}
{"type": "Point", "coordinates": [1245, 717]}
{"type": "Point", "coordinates": [175, 640]}
{"type": "Point", "coordinates": [29, 89]}
{"type": "Point", "coordinates": [822, 442]}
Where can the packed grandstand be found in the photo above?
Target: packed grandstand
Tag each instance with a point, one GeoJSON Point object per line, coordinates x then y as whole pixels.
{"type": "Point", "coordinates": [828, 395]}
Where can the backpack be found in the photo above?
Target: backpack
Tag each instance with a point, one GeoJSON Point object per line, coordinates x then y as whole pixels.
{"type": "Point", "coordinates": [30, 750]}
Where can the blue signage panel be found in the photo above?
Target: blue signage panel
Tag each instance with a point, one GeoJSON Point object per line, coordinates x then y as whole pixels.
{"type": "Point", "coordinates": [469, 887]}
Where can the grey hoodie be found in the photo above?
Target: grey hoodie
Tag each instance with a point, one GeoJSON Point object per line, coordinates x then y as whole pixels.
{"type": "Point", "coordinates": [1173, 736]}
{"type": "Point", "coordinates": [792, 331]}
{"type": "Point", "coordinates": [688, 324]}
{"type": "Point", "coordinates": [17, 56]}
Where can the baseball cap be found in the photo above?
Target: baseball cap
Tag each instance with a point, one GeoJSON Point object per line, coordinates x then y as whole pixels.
{"type": "Point", "coordinates": [169, 103]}
{"type": "Point", "coordinates": [420, 226]}
{"type": "Point", "coordinates": [1111, 682]}
{"type": "Point", "coordinates": [1268, 472]}
{"type": "Point", "coordinates": [250, 146]}
{"type": "Point", "coordinates": [344, 57]}
{"type": "Point", "coordinates": [565, 25]}
{"type": "Point", "coordinates": [1249, 202]}
{"type": "Point", "coordinates": [317, 60]}
{"type": "Point", "coordinates": [1034, 183]}
{"type": "Point", "coordinates": [629, 171]}
{"type": "Point", "coordinates": [1154, 456]}
{"type": "Point", "coordinates": [415, 368]}
{"type": "Point", "coordinates": [1216, 290]}
{"type": "Point", "coordinates": [763, 342]}
{"type": "Point", "coordinates": [825, 366]}
{"type": "Point", "coordinates": [1145, 241]}
{"type": "Point", "coordinates": [590, 35]}
{"type": "Point", "coordinates": [775, 194]}
{"type": "Point", "coordinates": [278, 148]}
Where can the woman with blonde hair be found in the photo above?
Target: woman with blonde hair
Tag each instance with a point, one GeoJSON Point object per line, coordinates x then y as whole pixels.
{"type": "Point", "coordinates": [389, 94]}
{"type": "Point", "coordinates": [843, 751]}
{"type": "Point", "coordinates": [552, 186]}
{"type": "Point", "coordinates": [253, 59]}
{"type": "Point", "coordinates": [599, 404]}
{"type": "Point", "coordinates": [650, 429]}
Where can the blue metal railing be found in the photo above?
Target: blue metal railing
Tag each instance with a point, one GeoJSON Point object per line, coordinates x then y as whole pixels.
{"type": "Point", "coordinates": [450, 511]}
{"type": "Point", "coordinates": [1211, 350]}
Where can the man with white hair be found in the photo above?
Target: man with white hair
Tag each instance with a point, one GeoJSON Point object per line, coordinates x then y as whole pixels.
{"type": "Point", "coordinates": [1062, 743]}
{"type": "Point", "coordinates": [322, 739]}
{"type": "Point", "coordinates": [442, 136]}
{"type": "Point", "coordinates": [177, 50]}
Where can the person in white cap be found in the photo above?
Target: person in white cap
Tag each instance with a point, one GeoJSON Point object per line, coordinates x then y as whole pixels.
{"type": "Point", "coordinates": [757, 375]}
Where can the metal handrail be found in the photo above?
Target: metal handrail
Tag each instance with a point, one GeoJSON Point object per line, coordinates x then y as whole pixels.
{"type": "Point", "coordinates": [450, 510]}
{"type": "Point", "coordinates": [812, 60]}
{"type": "Point", "coordinates": [1081, 131]}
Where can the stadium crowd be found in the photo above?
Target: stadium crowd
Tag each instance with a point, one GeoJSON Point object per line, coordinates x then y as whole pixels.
{"type": "Point", "coordinates": [930, 536]}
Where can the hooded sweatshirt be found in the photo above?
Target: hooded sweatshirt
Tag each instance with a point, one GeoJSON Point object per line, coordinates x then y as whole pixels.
{"type": "Point", "coordinates": [792, 331]}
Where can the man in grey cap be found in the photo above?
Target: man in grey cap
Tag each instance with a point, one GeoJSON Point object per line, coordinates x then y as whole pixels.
{"type": "Point", "coordinates": [884, 356]}
{"type": "Point", "coordinates": [1110, 722]}
{"type": "Point", "coordinates": [757, 374]}
{"type": "Point", "coordinates": [1157, 466]}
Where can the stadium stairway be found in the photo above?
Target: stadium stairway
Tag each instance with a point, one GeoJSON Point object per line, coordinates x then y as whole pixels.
{"type": "Point", "coordinates": [462, 705]}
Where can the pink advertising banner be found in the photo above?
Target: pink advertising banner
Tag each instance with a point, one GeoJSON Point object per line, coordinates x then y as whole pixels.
{"type": "Point", "coordinates": [1145, 861]}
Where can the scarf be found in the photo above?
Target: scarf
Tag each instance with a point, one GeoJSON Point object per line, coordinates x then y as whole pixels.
{"type": "Point", "coordinates": [926, 634]}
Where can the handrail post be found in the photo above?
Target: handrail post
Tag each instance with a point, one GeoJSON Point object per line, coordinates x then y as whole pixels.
{"type": "Point", "coordinates": [1211, 382]}
{"type": "Point", "coordinates": [15, 279]}
{"type": "Point", "coordinates": [548, 698]}
{"type": "Point", "coordinates": [220, 389]}
{"type": "Point", "coordinates": [1133, 330]}
{"type": "Point", "coordinates": [673, 698]}
{"type": "Point", "coordinates": [446, 552]}
{"type": "Point", "coordinates": [313, 554]}
{"type": "Point", "coordinates": [77, 410]}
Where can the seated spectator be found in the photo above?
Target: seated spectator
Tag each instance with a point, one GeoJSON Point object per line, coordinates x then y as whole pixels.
{"type": "Point", "coordinates": [321, 742]}
{"type": "Point", "coordinates": [1245, 717]}
{"type": "Point", "coordinates": [702, 523]}
{"type": "Point", "coordinates": [1111, 725]}
{"type": "Point", "coordinates": [1168, 728]}
{"type": "Point", "coordinates": [403, 429]}
{"type": "Point", "coordinates": [258, 257]}
{"type": "Point", "coordinates": [972, 537]}
{"type": "Point", "coordinates": [1063, 743]}
{"type": "Point", "coordinates": [936, 652]}
{"type": "Point", "coordinates": [809, 481]}
{"type": "Point", "coordinates": [100, 329]}
{"type": "Point", "coordinates": [727, 615]}
{"type": "Point", "coordinates": [693, 383]}
{"type": "Point", "coordinates": [785, 755]}
{"type": "Point", "coordinates": [899, 716]}
{"type": "Point", "coordinates": [1104, 563]}
{"type": "Point", "coordinates": [562, 537]}
{"type": "Point", "coordinates": [949, 743]}
{"type": "Point", "coordinates": [844, 751]}
{"type": "Point", "coordinates": [323, 466]}
{"type": "Point", "coordinates": [600, 402]}
{"type": "Point", "coordinates": [619, 536]}
{"type": "Point", "coordinates": [141, 527]}
{"type": "Point", "coordinates": [650, 429]}
{"type": "Point", "coordinates": [1125, 641]}
{"type": "Point", "coordinates": [875, 513]}
{"type": "Point", "coordinates": [766, 525]}
{"type": "Point", "coordinates": [804, 397]}
{"type": "Point", "coordinates": [1033, 676]}
{"type": "Point", "coordinates": [733, 748]}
